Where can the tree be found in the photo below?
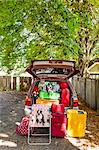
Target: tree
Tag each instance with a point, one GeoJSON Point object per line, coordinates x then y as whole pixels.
{"type": "Point", "coordinates": [62, 29]}
{"type": "Point", "coordinates": [87, 36]}
{"type": "Point", "coordinates": [36, 30]}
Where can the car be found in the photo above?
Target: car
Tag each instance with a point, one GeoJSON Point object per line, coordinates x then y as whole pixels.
{"type": "Point", "coordinates": [52, 84]}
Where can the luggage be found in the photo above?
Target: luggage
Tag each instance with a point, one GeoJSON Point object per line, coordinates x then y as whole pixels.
{"type": "Point", "coordinates": [65, 97]}
{"type": "Point", "coordinates": [46, 101]}
{"type": "Point", "coordinates": [22, 129]}
{"type": "Point", "coordinates": [58, 125]}
{"type": "Point", "coordinates": [57, 108]}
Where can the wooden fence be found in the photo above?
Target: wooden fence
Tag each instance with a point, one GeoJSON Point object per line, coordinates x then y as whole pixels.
{"type": "Point", "coordinates": [15, 83]}
{"type": "Point", "coordinates": [88, 89]}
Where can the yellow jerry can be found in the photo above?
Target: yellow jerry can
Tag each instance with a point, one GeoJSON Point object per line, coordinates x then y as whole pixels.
{"type": "Point", "coordinates": [76, 123]}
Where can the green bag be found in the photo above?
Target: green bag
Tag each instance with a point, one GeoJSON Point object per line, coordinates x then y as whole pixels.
{"type": "Point", "coordinates": [49, 95]}
{"type": "Point", "coordinates": [54, 95]}
{"type": "Point", "coordinates": [44, 95]}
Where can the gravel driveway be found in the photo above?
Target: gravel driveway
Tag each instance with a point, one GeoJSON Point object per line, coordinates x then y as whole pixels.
{"type": "Point", "coordinates": [11, 111]}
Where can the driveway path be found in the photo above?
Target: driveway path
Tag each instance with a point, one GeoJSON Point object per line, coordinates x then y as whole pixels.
{"type": "Point", "coordinates": [11, 111]}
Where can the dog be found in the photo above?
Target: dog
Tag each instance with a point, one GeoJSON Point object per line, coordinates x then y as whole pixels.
{"type": "Point", "coordinates": [40, 117]}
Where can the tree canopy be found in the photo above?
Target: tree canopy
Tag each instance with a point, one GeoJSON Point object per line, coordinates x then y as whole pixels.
{"type": "Point", "coordinates": [88, 34]}
{"type": "Point", "coordinates": [46, 28]}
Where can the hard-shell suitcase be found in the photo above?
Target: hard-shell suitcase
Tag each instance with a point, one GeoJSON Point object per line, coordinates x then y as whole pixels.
{"type": "Point", "coordinates": [58, 125]}
{"type": "Point", "coordinates": [57, 108]}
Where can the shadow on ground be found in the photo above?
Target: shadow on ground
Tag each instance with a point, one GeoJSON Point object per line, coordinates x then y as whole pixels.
{"type": "Point", "coordinates": [11, 111]}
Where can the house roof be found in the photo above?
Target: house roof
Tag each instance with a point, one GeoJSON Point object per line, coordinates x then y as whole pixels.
{"type": "Point", "coordinates": [2, 73]}
{"type": "Point", "coordinates": [25, 74]}
{"type": "Point", "coordinates": [94, 68]}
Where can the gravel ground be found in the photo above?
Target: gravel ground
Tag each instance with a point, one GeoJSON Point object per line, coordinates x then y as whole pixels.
{"type": "Point", "coordinates": [11, 111]}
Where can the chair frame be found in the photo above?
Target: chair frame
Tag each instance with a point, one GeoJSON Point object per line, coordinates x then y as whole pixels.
{"type": "Point", "coordinates": [34, 134]}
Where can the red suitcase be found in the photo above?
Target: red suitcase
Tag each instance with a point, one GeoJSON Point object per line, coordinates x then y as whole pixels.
{"type": "Point", "coordinates": [58, 125]}
{"type": "Point", "coordinates": [57, 108]}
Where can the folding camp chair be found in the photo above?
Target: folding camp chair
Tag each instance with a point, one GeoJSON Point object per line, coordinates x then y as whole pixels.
{"type": "Point", "coordinates": [40, 118]}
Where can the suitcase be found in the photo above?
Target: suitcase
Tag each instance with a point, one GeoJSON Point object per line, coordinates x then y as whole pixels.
{"type": "Point", "coordinates": [57, 108]}
{"type": "Point", "coordinates": [58, 125]}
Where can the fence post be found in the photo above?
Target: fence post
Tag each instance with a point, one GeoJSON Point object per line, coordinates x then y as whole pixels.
{"type": "Point", "coordinates": [18, 83]}
{"type": "Point", "coordinates": [11, 81]}
{"type": "Point", "coordinates": [8, 86]}
{"type": "Point", "coordinates": [85, 89]}
{"type": "Point", "coordinates": [93, 94]}
{"type": "Point", "coordinates": [97, 95]}
{"type": "Point", "coordinates": [4, 82]}
{"type": "Point", "coordinates": [88, 91]}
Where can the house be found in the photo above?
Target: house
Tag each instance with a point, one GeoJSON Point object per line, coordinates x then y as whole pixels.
{"type": "Point", "coordinates": [93, 70]}
{"type": "Point", "coordinates": [14, 80]}
{"type": "Point", "coordinates": [3, 73]}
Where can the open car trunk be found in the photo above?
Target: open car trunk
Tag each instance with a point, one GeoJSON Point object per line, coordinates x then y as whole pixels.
{"type": "Point", "coordinates": [55, 88]}
{"type": "Point", "coordinates": [52, 69]}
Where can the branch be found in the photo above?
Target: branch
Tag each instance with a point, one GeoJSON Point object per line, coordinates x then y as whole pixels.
{"type": "Point", "coordinates": [93, 45]}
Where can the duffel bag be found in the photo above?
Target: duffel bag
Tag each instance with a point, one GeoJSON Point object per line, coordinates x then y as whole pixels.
{"type": "Point", "coordinates": [22, 129]}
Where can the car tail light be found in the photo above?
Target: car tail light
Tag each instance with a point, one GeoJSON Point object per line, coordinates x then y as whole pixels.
{"type": "Point", "coordinates": [75, 102]}
{"type": "Point", "coordinates": [28, 101]}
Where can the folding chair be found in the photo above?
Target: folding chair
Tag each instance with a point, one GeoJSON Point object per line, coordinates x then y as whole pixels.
{"type": "Point", "coordinates": [40, 118]}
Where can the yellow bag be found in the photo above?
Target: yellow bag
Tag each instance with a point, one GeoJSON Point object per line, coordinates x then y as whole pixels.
{"type": "Point", "coordinates": [76, 123]}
